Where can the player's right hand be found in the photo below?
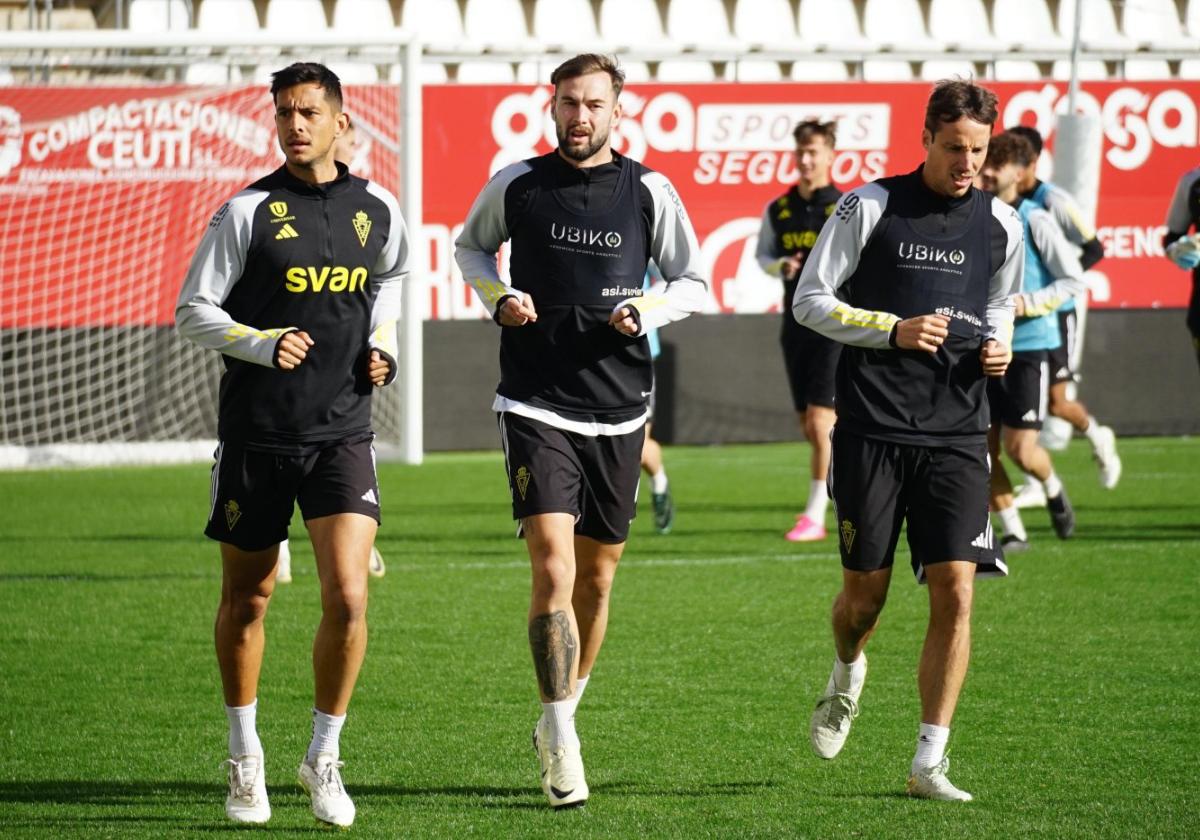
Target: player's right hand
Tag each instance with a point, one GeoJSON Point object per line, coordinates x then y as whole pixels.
{"type": "Point", "coordinates": [516, 312]}
{"type": "Point", "coordinates": [292, 349]}
{"type": "Point", "coordinates": [792, 266]}
{"type": "Point", "coordinates": [925, 332]}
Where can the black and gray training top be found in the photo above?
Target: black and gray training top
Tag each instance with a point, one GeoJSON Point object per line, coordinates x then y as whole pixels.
{"type": "Point", "coordinates": [894, 250]}
{"type": "Point", "coordinates": [284, 255]}
{"type": "Point", "coordinates": [580, 243]}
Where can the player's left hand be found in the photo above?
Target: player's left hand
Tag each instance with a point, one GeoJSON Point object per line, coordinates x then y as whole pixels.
{"type": "Point", "coordinates": [622, 321]}
{"type": "Point", "coordinates": [994, 357]}
{"type": "Point", "coordinates": [378, 368]}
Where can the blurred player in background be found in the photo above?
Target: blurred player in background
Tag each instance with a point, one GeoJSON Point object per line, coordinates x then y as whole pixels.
{"type": "Point", "coordinates": [575, 372]}
{"type": "Point", "coordinates": [345, 146]}
{"type": "Point", "coordinates": [297, 283]}
{"type": "Point", "coordinates": [1065, 212]}
{"type": "Point", "coordinates": [652, 454]}
{"type": "Point", "coordinates": [1018, 399]}
{"type": "Point", "coordinates": [1183, 248]}
{"type": "Point", "coordinates": [790, 225]}
{"type": "Point", "coordinates": [914, 274]}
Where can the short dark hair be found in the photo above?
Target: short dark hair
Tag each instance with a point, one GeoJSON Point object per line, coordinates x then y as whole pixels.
{"type": "Point", "coordinates": [953, 99]}
{"type": "Point", "coordinates": [807, 130]}
{"type": "Point", "coordinates": [585, 63]}
{"type": "Point", "coordinates": [303, 72]}
{"type": "Point", "coordinates": [1031, 134]}
{"type": "Point", "coordinates": [1009, 147]}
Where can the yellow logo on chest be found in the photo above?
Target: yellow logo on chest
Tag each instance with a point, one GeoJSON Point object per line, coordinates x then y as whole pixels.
{"type": "Point", "coordinates": [362, 226]}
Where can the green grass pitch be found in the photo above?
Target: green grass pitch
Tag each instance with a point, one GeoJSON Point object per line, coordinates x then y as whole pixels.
{"type": "Point", "coordinates": [1079, 718]}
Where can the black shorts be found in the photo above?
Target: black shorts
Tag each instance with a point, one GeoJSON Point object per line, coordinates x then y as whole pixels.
{"type": "Point", "coordinates": [942, 493]}
{"type": "Point", "coordinates": [254, 492]}
{"type": "Point", "coordinates": [1061, 367]}
{"type": "Point", "coordinates": [1019, 398]}
{"type": "Point", "coordinates": [811, 361]}
{"type": "Point", "coordinates": [593, 478]}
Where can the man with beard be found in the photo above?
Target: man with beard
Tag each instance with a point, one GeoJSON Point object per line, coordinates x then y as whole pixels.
{"type": "Point", "coordinates": [575, 372]}
{"type": "Point", "coordinates": [913, 273]}
{"type": "Point", "coordinates": [790, 226]}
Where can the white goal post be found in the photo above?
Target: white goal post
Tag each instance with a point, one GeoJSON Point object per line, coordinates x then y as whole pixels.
{"type": "Point", "coordinates": [91, 370]}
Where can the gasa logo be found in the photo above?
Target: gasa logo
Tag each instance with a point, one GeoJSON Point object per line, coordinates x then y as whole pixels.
{"type": "Point", "coordinates": [584, 236]}
{"type": "Point", "coordinates": [925, 253]}
{"type": "Point", "coordinates": [10, 140]}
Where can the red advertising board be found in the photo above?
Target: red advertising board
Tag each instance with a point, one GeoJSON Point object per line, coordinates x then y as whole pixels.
{"type": "Point", "coordinates": [104, 191]}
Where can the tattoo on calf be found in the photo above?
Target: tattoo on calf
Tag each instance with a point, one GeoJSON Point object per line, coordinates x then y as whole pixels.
{"type": "Point", "coordinates": [553, 647]}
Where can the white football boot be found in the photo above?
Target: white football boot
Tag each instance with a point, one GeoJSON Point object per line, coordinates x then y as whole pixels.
{"type": "Point", "coordinates": [247, 800]}
{"type": "Point", "coordinates": [931, 783]}
{"type": "Point", "coordinates": [283, 567]}
{"type": "Point", "coordinates": [1104, 452]}
{"type": "Point", "coordinates": [376, 567]}
{"type": "Point", "coordinates": [563, 781]}
{"type": "Point", "coordinates": [1030, 495]}
{"type": "Point", "coordinates": [330, 802]}
{"type": "Point", "coordinates": [830, 725]}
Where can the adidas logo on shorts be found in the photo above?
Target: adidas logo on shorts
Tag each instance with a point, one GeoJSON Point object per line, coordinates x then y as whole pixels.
{"type": "Point", "coordinates": [369, 496]}
{"type": "Point", "coordinates": [1030, 416]}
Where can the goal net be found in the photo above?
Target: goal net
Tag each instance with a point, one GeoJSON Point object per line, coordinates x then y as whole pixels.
{"type": "Point", "coordinates": [104, 193]}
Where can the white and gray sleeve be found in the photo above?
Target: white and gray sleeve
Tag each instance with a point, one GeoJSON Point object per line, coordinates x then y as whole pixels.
{"type": "Point", "coordinates": [674, 247]}
{"type": "Point", "coordinates": [1066, 212]}
{"type": "Point", "coordinates": [833, 260]}
{"type": "Point", "coordinates": [485, 229]}
{"type": "Point", "coordinates": [1008, 278]}
{"type": "Point", "coordinates": [1062, 263]}
{"type": "Point", "coordinates": [768, 259]}
{"type": "Point", "coordinates": [216, 267]}
{"type": "Point", "coordinates": [388, 277]}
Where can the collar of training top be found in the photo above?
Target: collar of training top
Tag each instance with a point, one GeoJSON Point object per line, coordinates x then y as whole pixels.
{"type": "Point", "coordinates": [587, 173]}
{"type": "Point", "coordinates": [936, 199]}
{"type": "Point", "coordinates": [300, 187]}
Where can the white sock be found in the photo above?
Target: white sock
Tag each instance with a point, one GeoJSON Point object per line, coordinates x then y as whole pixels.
{"type": "Point", "coordinates": [931, 746]}
{"type": "Point", "coordinates": [580, 685]}
{"type": "Point", "coordinates": [1010, 520]}
{"type": "Point", "coordinates": [326, 730]}
{"type": "Point", "coordinates": [658, 481]}
{"type": "Point", "coordinates": [1053, 486]}
{"type": "Point", "coordinates": [1092, 430]}
{"type": "Point", "coordinates": [847, 676]}
{"type": "Point", "coordinates": [560, 722]}
{"type": "Point", "coordinates": [1030, 480]}
{"type": "Point", "coordinates": [243, 736]}
{"type": "Point", "coordinates": [818, 501]}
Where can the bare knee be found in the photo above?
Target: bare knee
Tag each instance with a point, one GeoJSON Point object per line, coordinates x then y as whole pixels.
{"type": "Point", "coordinates": [553, 575]}
{"type": "Point", "coordinates": [952, 599]}
{"type": "Point", "coordinates": [861, 609]}
{"type": "Point", "coordinates": [597, 582]}
{"type": "Point", "coordinates": [1020, 448]}
{"type": "Point", "coordinates": [244, 607]}
{"type": "Point", "coordinates": [345, 606]}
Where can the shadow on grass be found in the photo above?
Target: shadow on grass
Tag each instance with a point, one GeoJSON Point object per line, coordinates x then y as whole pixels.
{"type": "Point", "coordinates": [1100, 532]}
{"type": "Point", "coordinates": [88, 577]}
{"type": "Point", "coordinates": [205, 796]}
